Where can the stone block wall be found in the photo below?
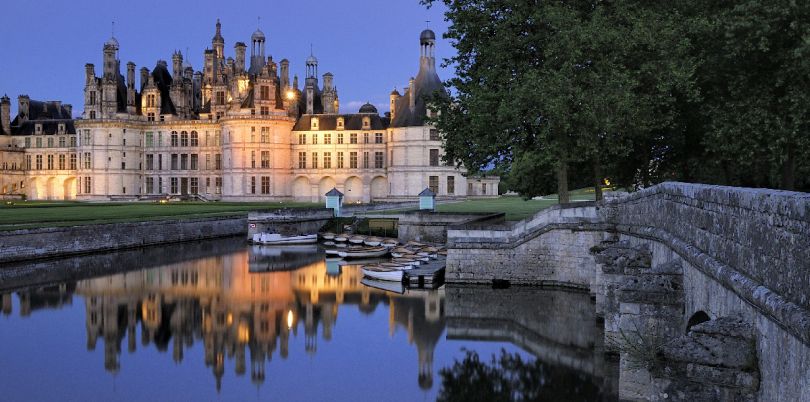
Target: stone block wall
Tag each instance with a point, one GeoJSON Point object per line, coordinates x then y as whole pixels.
{"type": "Point", "coordinates": [18, 245]}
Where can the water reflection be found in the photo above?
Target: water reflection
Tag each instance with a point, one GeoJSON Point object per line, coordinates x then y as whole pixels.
{"type": "Point", "coordinates": [246, 305]}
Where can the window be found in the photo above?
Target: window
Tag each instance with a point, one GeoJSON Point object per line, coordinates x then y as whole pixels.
{"type": "Point", "coordinates": [366, 122]}
{"type": "Point", "coordinates": [365, 138]}
{"type": "Point", "coordinates": [353, 160]}
{"type": "Point", "coordinates": [365, 160]}
{"type": "Point", "coordinates": [265, 135]}
{"type": "Point", "coordinates": [434, 157]}
{"type": "Point", "coordinates": [483, 188]}
{"type": "Point", "coordinates": [195, 139]}
{"type": "Point", "coordinates": [150, 185]}
{"type": "Point", "coordinates": [150, 100]}
{"type": "Point", "coordinates": [150, 139]}
{"type": "Point", "coordinates": [92, 100]}
{"type": "Point", "coordinates": [207, 161]}
{"type": "Point", "coordinates": [28, 142]}
{"type": "Point", "coordinates": [340, 138]}
{"type": "Point", "coordinates": [314, 123]}
{"type": "Point", "coordinates": [174, 164]}
{"type": "Point", "coordinates": [28, 162]}
{"type": "Point", "coordinates": [353, 138]}
{"type": "Point", "coordinates": [433, 184]}
{"type": "Point", "coordinates": [379, 162]}
{"type": "Point", "coordinates": [252, 159]}
{"type": "Point", "coordinates": [264, 111]}
{"type": "Point", "coordinates": [149, 116]}
{"type": "Point", "coordinates": [39, 142]}
{"type": "Point", "coordinates": [218, 138]}
{"type": "Point", "coordinates": [175, 141]}
{"type": "Point", "coordinates": [38, 128]}
{"type": "Point", "coordinates": [302, 139]}
{"type": "Point", "coordinates": [265, 92]}
{"type": "Point", "coordinates": [73, 142]}
{"type": "Point", "coordinates": [220, 99]}
{"type": "Point", "coordinates": [160, 185]}
{"type": "Point", "coordinates": [87, 185]}
{"type": "Point", "coordinates": [253, 134]}
{"type": "Point", "coordinates": [160, 161]}
{"type": "Point", "coordinates": [194, 162]}
{"type": "Point", "coordinates": [50, 142]}
{"type": "Point", "coordinates": [184, 162]}
{"type": "Point", "coordinates": [218, 162]}
{"type": "Point", "coordinates": [378, 138]}
{"type": "Point", "coordinates": [183, 139]}
{"type": "Point", "coordinates": [88, 140]}
{"type": "Point", "coordinates": [123, 165]}
{"type": "Point", "coordinates": [62, 142]}
{"type": "Point", "coordinates": [434, 134]}
{"type": "Point", "coordinates": [50, 162]}
{"type": "Point", "coordinates": [218, 185]}
{"type": "Point", "coordinates": [451, 184]}
{"type": "Point", "coordinates": [194, 183]}
{"type": "Point", "coordinates": [72, 161]}
{"type": "Point", "coordinates": [265, 159]}
{"type": "Point", "coordinates": [315, 138]}
{"type": "Point", "coordinates": [173, 188]}
{"type": "Point", "coordinates": [302, 160]}
{"type": "Point", "coordinates": [253, 185]}
{"type": "Point", "coordinates": [87, 160]}
{"type": "Point", "coordinates": [327, 160]}
{"type": "Point", "coordinates": [327, 138]}
{"type": "Point", "coordinates": [340, 160]}
{"type": "Point", "coordinates": [62, 161]}
{"type": "Point", "coordinates": [340, 123]}
{"type": "Point", "coordinates": [150, 162]}
{"type": "Point", "coordinates": [265, 185]}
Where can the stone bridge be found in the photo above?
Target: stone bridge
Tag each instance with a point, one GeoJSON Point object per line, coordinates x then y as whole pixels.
{"type": "Point", "coordinates": [713, 282]}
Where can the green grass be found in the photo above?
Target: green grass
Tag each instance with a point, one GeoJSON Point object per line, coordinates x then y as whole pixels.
{"type": "Point", "coordinates": [30, 214]}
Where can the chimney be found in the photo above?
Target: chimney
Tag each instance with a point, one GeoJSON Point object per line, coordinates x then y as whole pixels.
{"type": "Point", "coordinates": [285, 74]}
{"type": "Point", "coordinates": [90, 73]}
{"type": "Point", "coordinates": [22, 110]}
{"type": "Point", "coordinates": [240, 48]}
{"type": "Point", "coordinates": [130, 75]}
{"type": "Point", "coordinates": [69, 110]}
{"type": "Point", "coordinates": [412, 94]}
{"type": "Point", "coordinates": [144, 77]}
{"type": "Point", "coordinates": [5, 114]}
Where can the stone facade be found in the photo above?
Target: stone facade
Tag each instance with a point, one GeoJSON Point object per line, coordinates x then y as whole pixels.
{"type": "Point", "coordinates": [231, 131]}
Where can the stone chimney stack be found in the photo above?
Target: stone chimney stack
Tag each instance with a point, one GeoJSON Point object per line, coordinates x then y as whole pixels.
{"type": "Point", "coordinates": [412, 95]}
{"type": "Point", "coordinates": [144, 77]}
{"type": "Point", "coordinates": [285, 74]}
{"type": "Point", "coordinates": [23, 102]}
{"type": "Point", "coordinates": [240, 49]}
{"type": "Point", "coordinates": [5, 114]}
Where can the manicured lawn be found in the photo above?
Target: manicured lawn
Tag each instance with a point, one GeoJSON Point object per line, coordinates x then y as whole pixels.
{"type": "Point", "coordinates": [516, 208]}
{"type": "Point", "coordinates": [38, 214]}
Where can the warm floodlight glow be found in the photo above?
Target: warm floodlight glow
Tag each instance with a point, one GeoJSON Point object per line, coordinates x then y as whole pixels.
{"type": "Point", "coordinates": [290, 95]}
{"type": "Point", "coordinates": [289, 319]}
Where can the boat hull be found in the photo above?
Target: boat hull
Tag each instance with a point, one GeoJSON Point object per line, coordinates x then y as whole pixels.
{"type": "Point", "coordinates": [386, 275]}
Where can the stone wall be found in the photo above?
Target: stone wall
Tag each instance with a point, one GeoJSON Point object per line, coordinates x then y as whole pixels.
{"type": "Point", "coordinates": [431, 227]}
{"type": "Point", "coordinates": [19, 245]}
{"type": "Point", "coordinates": [288, 222]}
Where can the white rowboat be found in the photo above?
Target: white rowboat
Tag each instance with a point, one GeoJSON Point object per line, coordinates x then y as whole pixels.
{"type": "Point", "coordinates": [275, 238]}
{"type": "Point", "coordinates": [383, 274]}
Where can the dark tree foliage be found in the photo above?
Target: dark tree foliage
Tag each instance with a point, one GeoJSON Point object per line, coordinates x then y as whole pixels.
{"type": "Point", "coordinates": [509, 378]}
{"type": "Point", "coordinates": [639, 92]}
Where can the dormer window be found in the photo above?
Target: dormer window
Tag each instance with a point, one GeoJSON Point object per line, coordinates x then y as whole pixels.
{"type": "Point", "coordinates": [340, 123]}
{"type": "Point", "coordinates": [366, 123]}
{"type": "Point", "coordinates": [38, 129]}
{"type": "Point", "coordinates": [314, 123]}
{"type": "Point", "coordinates": [61, 128]}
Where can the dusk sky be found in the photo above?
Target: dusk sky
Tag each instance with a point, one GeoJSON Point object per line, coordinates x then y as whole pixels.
{"type": "Point", "coordinates": [370, 46]}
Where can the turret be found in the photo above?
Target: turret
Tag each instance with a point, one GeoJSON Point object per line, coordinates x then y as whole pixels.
{"type": "Point", "coordinates": [5, 114]}
{"type": "Point", "coordinates": [218, 42]}
{"type": "Point", "coordinates": [394, 98]}
{"type": "Point", "coordinates": [329, 96]}
{"type": "Point", "coordinates": [257, 59]}
{"type": "Point", "coordinates": [111, 59]}
{"type": "Point", "coordinates": [89, 74]}
{"type": "Point", "coordinates": [177, 66]}
{"type": "Point", "coordinates": [427, 45]}
{"type": "Point", "coordinates": [240, 49]}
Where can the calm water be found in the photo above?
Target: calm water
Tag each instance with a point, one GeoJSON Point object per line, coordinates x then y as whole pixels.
{"type": "Point", "coordinates": [220, 320]}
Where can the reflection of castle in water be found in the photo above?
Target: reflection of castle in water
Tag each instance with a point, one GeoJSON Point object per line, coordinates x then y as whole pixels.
{"type": "Point", "coordinates": [238, 314]}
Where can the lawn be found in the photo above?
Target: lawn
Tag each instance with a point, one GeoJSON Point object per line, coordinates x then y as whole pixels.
{"type": "Point", "coordinates": [516, 208]}
{"type": "Point", "coordinates": [38, 214]}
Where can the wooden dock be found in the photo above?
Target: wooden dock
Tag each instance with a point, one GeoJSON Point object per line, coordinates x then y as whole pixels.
{"type": "Point", "coordinates": [426, 276]}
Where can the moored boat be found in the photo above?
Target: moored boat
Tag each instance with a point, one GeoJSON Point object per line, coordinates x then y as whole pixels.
{"type": "Point", "coordinates": [329, 243]}
{"type": "Point", "coordinates": [389, 243]}
{"type": "Point", "coordinates": [341, 238]}
{"type": "Point", "coordinates": [328, 236]}
{"type": "Point", "coordinates": [381, 273]}
{"type": "Point", "coordinates": [357, 239]}
{"type": "Point", "coordinates": [275, 238]}
{"type": "Point", "coordinates": [364, 252]}
{"type": "Point", "coordinates": [372, 241]}
{"type": "Point", "coordinates": [331, 251]}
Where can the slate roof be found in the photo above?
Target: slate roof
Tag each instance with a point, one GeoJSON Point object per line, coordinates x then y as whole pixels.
{"type": "Point", "coordinates": [334, 192]}
{"type": "Point", "coordinates": [350, 122]}
{"type": "Point", "coordinates": [45, 113]}
{"type": "Point", "coordinates": [163, 82]}
{"type": "Point", "coordinates": [426, 84]}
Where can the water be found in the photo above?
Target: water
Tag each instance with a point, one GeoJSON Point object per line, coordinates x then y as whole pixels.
{"type": "Point", "coordinates": [220, 320]}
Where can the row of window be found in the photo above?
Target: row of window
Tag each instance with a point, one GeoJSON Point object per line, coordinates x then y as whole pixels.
{"type": "Point", "coordinates": [327, 138]}
{"type": "Point", "coordinates": [12, 188]}
{"type": "Point", "coordinates": [51, 162]}
{"type": "Point", "coordinates": [181, 185]}
{"type": "Point", "coordinates": [379, 160]}
{"type": "Point", "coordinates": [50, 142]}
{"type": "Point", "coordinates": [183, 162]}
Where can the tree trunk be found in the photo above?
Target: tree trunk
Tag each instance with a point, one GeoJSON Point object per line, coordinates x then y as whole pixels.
{"type": "Point", "coordinates": [562, 181]}
{"type": "Point", "coordinates": [789, 168]}
{"type": "Point", "coordinates": [597, 180]}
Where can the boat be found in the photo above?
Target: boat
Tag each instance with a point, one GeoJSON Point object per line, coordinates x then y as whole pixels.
{"type": "Point", "coordinates": [340, 245]}
{"type": "Point", "coordinates": [331, 251]}
{"type": "Point", "coordinates": [389, 243]}
{"type": "Point", "coordinates": [275, 238]}
{"type": "Point", "coordinates": [372, 241]}
{"type": "Point", "coordinates": [401, 252]}
{"type": "Point", "coordinates": [408, 261]}
{"type": "Point", "coordinates": [414, 244]}
{"type": "Point", "coordinates": [357, 239]}
{"type": "Point", "coordinates": [393, 265]}
{"type": "Point", "coordinates": [328, 236]}
{"type": "Point", "coordinates": [329, 243]}
{"type": "Point", "coordinates": [364, 252]}
{"type": "Point", "coordinates": [388, 286]}
{"type": "Point", "coordinates": [341, 238]}
{"type": "Point", "coordinates": [383, 274]}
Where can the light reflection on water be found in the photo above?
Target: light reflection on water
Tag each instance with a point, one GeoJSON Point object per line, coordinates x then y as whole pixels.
{"type": "Point", "coordinates": [248, 323]}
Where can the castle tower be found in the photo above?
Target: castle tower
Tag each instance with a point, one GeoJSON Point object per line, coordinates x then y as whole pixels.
{"type": "Point", "coordinates": [5, 115]}
{"type": "Point", "coordinates": [257, 59]}
{"type": "Point", "coordinates": [109, 86]}
{"type": "Point", "coordinates": [394, 97]}
{"type": "Point", "coordinates": [240, 49]}
{"type": "Point", "coordinates": [427, 45]}
{"type": "Point", "coordinates": [329, 96]}
{"type": "Point", "coordinates": [218, 42]}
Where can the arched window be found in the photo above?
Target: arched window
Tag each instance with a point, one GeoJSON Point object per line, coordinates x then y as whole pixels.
{"type": "Point", "coordinates": [195, 139]}
{"type": "Point", "coordinates": [175, 140]}
{"type": "Point", "coordinates": [184, 139]}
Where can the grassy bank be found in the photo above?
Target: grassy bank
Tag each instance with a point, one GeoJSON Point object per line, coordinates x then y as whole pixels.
{"type": "Point", "coordinates": [23, 214]}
